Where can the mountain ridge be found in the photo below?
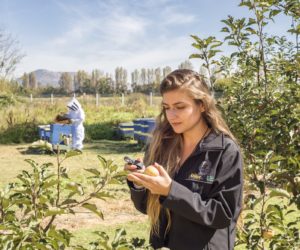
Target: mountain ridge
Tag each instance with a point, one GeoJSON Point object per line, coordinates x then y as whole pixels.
{"type": "Point", "coordinates": [46, 77]}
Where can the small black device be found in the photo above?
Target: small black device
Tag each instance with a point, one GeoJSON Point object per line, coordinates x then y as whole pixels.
{"type": "Point", "coordinates": [137, 163]}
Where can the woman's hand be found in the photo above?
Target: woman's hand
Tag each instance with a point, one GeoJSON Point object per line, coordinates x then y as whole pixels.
{"type": "Point", "coordinates": [134, 168]}
{"type": "Point", "coordinates": [160, 184]}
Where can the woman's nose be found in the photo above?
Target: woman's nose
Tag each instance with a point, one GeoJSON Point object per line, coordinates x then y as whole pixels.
{"type": "Point", "coordinates": [171, 113]}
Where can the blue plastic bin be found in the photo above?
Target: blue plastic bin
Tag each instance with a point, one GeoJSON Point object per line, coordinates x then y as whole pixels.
{"type": "Point", "coordinates": [44, 132]}
{"type": "Point", "coordinates": [57, 131]}
{"type": "Point", "coordinates": [146, 127]}
{"type": "Point", "coordinates": [137, 128]}
{"type": "Point", "coordinates": [126, 130]}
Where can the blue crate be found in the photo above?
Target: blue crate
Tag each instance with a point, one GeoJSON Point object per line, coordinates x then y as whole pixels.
{"type": "Point", "coordinates": [151, 126]}
{"type": "Point", "coordinates": [137, 128]}
{"type": "Point", "coordinates": [47, 134]}
{"type": "Point", "coordinates": [143, 129]}
{"type": "Point", "coordinates": [126, 130]}
{"type": "Point", "coordinates": [57, 131]}
{"type": "Point", "coordinates": [43, 131]}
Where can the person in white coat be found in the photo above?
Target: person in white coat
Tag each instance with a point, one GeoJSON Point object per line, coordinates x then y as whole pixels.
{"type": "Point", "coordinates": [77, 116]}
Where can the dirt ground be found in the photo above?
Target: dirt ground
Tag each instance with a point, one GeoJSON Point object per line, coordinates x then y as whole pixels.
{"type": "Point", "coordinates": [115, 212]}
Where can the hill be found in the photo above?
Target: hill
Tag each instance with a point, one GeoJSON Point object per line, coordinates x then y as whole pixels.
{"type": "Point", "coordinates": [47, 78]}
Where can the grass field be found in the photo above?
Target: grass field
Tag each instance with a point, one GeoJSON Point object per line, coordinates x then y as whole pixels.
{"type": "Point", "coordinates": [117, 212]}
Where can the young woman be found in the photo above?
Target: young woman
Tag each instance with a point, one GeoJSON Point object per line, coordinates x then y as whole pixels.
{"type": "Point", "coordinates": [195, 201]}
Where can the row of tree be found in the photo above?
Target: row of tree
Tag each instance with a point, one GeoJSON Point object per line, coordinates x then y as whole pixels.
{"type": "Point", "coordinates": [142, 80]}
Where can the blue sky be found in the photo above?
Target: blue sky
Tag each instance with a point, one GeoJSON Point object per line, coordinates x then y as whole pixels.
{"type": "Point", "coordinates": [69, 35]}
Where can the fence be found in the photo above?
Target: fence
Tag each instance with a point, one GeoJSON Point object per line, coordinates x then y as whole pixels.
{"type": "Point", "coordinates": [97, 99]}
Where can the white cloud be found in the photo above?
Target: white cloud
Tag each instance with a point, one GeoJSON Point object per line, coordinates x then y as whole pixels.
{"type": "Point", "coordinates": [173, 15]}
{"type": "Point", "coordinates": [112, 38]}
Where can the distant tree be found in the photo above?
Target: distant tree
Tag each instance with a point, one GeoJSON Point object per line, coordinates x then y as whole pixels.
{"type": "Point", "coordinates": [143, 76]}
{"type": "Point", "coordinates": [110, 81]}
{"type": "Point", "coordinates": [80, 79]}
{"type": "Point", "coordinates": [32, 81]}
{"type": "Point", "coordinates": [103, 86]}
{"type": "Point", "coordinates": [166, 70]}
{"type": "Point", "coordinates": [96, 75]}
{"type": "Point", "coordinates": [150, 76]}
{"type": "Point", "coordinates": [186, 65]}
{"type": "Point", "coordinates": [124, 79]}
{"type": "Point", "coordinates": [157, 75]}
{"type": "Point", "coordinates": [121, 80]}
{"type": "Point", "coordinates": [135, 80]}
{"type": "Point", "coordinates": [10, 54]}
{"type": "Point", "coordinates": [25, 81]}
{"type": "Point", "coordinates": [66, 82]}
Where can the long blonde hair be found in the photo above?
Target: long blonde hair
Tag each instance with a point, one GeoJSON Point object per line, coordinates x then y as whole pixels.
{"type": "Point", "coordinates": [166, 146]}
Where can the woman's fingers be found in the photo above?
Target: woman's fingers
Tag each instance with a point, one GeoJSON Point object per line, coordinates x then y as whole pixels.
{"type": "Point", "coordinates": [130, 167]}
{"type": "Point", "coordinates": [143, 177]}
{"type": "Point", "coordinates": [160, 169]}
{"type": "Point", "coordinates": [135, 178]}
{"type": "Point", "coordinates": [139, 159]}
{"type": "Point", "coordinates": [133, 168]}
{"type": "Point", "coordinates": [132, 178]}
{"type": "Point", "coordinates": [145, 180]}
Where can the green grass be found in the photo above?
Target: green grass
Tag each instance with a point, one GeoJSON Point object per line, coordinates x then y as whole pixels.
{"type": "Point", "coordinates": [12, 158]}
{"type": "Point", "coordinates": [136, 225]}
{"type": "Point", "coordinates": [133, 229]}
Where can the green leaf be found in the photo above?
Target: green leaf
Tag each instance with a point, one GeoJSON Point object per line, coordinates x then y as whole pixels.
{"type": "Point", "coordinates": [54, 211]}
{"type": "Point", "coordinates": [72, 153]}
{"type": "Point", "coordinates": [225, 29]}
{"type": "Point", "coordinates": [195, 56]}
{"type": "Point", "coordinates": [93, 208]}
{"type": "Point", "coordinates": [121, 174]}
{"type": "Point", "coordinates": [279, 193]}
{"type": "Point", "coordinates": [274, 209]}
{"type": "Point", "coordinates": [48, 184]}
{"type": "Point", "coordinates": [273, 13]}
{"type": "Point", "coordinates": [69, 201]}
{"type": "Point", "coordinates": [102, 195]}
{"type": "Point", "coordinates": [75, 187]}
{"type": "Point", "coordinates": [115, 181]}
{"type": "Point", "coordinates": [102, 161]}
{"type": "Point", "coordinates": [113, 168]}
{"type": "Point", "coordinates": [120, 233]}
{"type": "Point", "coordinates": [93, 171]}
{"type": "Point", "coordinates": [59, 235]}
{"type": "Point", "coordinates": [277, 158]}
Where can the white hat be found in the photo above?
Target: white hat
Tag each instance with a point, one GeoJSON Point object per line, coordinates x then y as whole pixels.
{"type": "Point", "coordinates": [74, 104]}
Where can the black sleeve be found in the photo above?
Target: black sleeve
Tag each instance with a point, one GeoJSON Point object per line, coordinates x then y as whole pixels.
{"type": "Point", "coordinates": [139, 197]}
{"type": "Point", "coordinates": [223, 204]}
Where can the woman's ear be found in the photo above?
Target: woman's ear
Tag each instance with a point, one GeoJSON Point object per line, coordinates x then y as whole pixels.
{"type": "Point", "coordinates": [202, 108]}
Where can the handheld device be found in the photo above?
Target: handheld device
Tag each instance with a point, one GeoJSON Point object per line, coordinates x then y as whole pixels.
{"type": "Point", "coordinates": [139, 164]}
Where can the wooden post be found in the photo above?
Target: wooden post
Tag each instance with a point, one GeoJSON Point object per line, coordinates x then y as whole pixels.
{"type": "Point", "coordinates": [52, 99]}
{"type": "Point", "coordinates": [84, 97]}
{"type": "Point", "coordinates": [123, 101]}
{"type": "Point", "coordinates": [151, 99]}
{"type": "Point", "coordinates": [31, 98]}
{"type": "Point", "coordinates": [97, 99]}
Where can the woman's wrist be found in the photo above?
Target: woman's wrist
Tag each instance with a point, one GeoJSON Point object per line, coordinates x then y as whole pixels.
{"type": "Point", "coordinates": [167, 189]}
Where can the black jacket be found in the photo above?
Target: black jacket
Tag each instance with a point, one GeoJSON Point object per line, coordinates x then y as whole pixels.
{"type": "Point", "coordinates": [205, 198]}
